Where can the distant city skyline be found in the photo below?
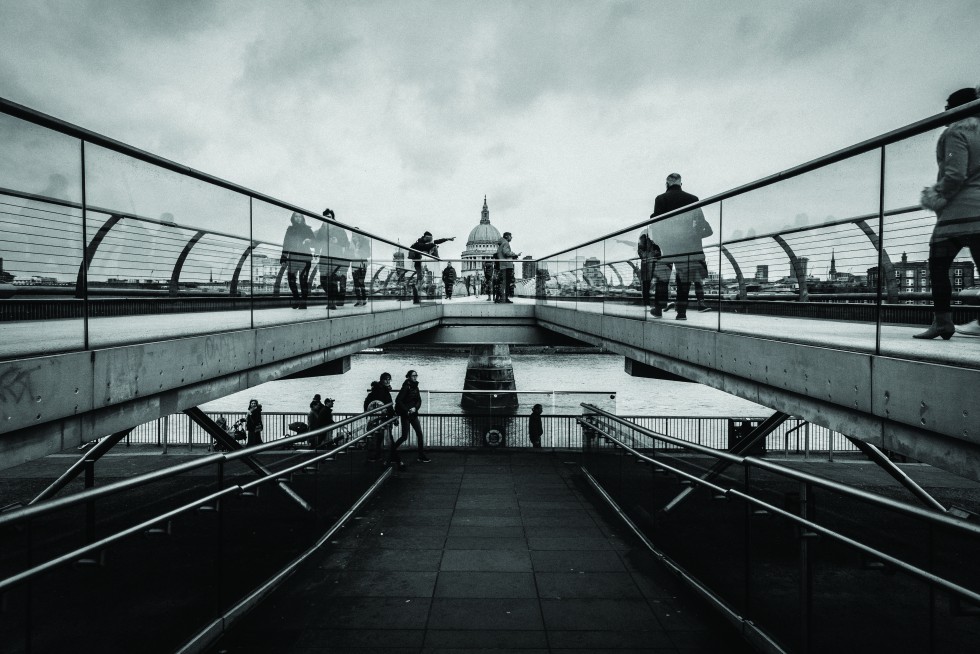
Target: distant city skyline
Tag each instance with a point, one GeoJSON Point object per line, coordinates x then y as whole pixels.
{"type": "Point", "coordinates": [568, 115]}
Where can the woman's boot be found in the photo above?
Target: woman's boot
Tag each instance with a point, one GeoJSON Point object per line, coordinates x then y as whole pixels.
{"type": "Point", "coordinates": [942, 325]}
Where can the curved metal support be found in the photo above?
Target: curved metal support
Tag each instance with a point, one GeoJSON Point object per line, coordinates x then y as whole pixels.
{"type": "Point", "coordinates": [794, 261]}
{"type": "Point", "coordinates": [742, 292]}
{"type": "Point", "coordinates": [620, 277]}
{"type": "Point", "coordinates": [175, 276]}
{"type": "Point", "coordinates": [278, 284]}
{"type": "Point", "coordinates": [90, 251]}
{"type": "Point", "coordinates": [887, 268]}
{"type": "Point", "coordinates": [233, 289]}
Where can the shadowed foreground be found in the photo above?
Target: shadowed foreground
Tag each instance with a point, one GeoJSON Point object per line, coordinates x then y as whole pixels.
{"type": "Point", "coordinates": [488, 551]}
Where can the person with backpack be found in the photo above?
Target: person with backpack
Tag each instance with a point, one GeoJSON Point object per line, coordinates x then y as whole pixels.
{"type": "Point", "coordinates": [378, 396]}
{"type": "Point", "coordinates": [429, 246]}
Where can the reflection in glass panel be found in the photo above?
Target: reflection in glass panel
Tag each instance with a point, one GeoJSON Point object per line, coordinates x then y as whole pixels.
{"type": "Point", "coordinates": [590, 277]}
{"type": "Point", "coordinates": [797, 255]}
{"type": "Point", "coordinates": [282, 264]}
{"type": "Point", "coordinates": [162, 243]}
{"type": "Point", "coordinates": [41, 240]}
{"type": "Point", "coordinates": [678, 261]}
{"type": "Point", "coordinates": [908, 286]}
{"type": "Point", "coordinates": [909, 166]}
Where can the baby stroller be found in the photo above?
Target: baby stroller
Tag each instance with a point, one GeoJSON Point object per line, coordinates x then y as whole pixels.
{"type": "Point", "coordinates": [237, 431]}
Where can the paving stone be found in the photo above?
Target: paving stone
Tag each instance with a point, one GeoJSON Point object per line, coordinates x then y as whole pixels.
{"type": "Point", "coordinates": [486, 561]}
{"type": "Point", "coordinates": [591, 641]}
{"type": "Point", "coordinates": [486, 521]}
{"type": "Point", "coordinates": [394, 559]}
{"type": "Point", "coordinates": [569, 543]}
{"type": "Point", "coordinates": [489, 532]}
{"type": "Point", "coordinates": [603, 614]}
{"type": "Point", "coordinates": [485, 614]}
{"type": "Point", "coordinates": [562, 585]}
{"type": "Point", "coordinates": [475, 543]}
{"type": "Point", "coordinates": [576, 561]}
{"type": "Point", "coordinates": [375, 583]}
{"type": "Point", "coordinates": [326, 637]}
{"type": "Point", "coordinates": [485, 584]}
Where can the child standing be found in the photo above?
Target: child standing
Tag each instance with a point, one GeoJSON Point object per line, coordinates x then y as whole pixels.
{"type": "Point", "coordinates": [534, 428]}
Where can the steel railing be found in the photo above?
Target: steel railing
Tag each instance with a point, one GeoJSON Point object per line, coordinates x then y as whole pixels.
{"type": "Point", "coordinates": [766, 579]}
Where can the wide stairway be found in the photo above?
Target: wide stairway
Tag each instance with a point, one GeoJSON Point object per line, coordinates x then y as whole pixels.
{"type": "Point", "coordinates": [482, 551]}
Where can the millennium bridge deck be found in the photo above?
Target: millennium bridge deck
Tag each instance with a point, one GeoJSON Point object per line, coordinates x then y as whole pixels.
{"type": "Point", "coordinates": [482, 552]}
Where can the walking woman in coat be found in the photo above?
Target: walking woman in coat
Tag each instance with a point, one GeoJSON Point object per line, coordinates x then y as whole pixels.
{"type": "Point", "coordinates": [253, 423]}
{"type": "Point", "coordinates": [957, 213]}
{"type": "Point", "coordinates": [407, 405]}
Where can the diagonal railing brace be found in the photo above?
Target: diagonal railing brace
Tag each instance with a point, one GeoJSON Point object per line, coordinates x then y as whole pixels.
{"type": "Point", "coordinates": [220, 435]}
{"type": "Point", "coordinates": [744, 445]}
{"type": "Point", "coordinates": [93, 454]}
{"type": "Point", "coordinates": [897, 473]}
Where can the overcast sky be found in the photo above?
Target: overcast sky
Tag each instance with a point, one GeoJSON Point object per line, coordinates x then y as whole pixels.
{"type": "Point", "coordinates": [567, 115]}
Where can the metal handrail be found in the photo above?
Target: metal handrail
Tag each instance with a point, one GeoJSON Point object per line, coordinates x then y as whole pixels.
{"type": "Point", "coordinates": [87, 136]}
{"type": "Point", "coordinates": [146, 524]}
{"type": "Point", "coordinates": [879, 141]}
{"type": "Point", "coordinates": [913, 570]}
{"type": "Point", "coordinates": [942, 519]}
{"type": "Point", "coordinates": [36, 510]}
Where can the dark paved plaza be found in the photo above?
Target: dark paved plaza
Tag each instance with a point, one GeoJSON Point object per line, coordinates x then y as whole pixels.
{"type": "Point", "coordinates": [483, 552]}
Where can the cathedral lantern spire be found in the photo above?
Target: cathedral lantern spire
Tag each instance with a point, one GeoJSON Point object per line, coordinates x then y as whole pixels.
{"type": "Point", "coordinates": [485, 216]}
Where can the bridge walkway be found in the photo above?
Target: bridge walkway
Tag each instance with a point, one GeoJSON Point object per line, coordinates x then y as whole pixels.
{"type": "Point", "coordinates": [482, 551]}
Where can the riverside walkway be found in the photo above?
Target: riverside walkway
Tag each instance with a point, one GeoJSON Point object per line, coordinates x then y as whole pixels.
{"type": "Point", "coordinates": [482, 551]}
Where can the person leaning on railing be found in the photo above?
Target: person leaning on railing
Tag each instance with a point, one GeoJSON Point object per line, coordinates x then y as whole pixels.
{"type": "Point", "coordinates": [955, 197]}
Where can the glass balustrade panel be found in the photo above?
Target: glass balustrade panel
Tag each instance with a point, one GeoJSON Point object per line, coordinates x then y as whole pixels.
{"type": "Point", "coordinates": [623, 270]}
{"type": "Point", "coordinates": [285, 285]}
{"type": "Point", "coordinates": [165, 252]}
{"type": "Point", "coordinates": [909, 289]}
{"type": "Point", "coordinates": [796, 256]}
{"type": "Point", "coordinates": [41, 240]}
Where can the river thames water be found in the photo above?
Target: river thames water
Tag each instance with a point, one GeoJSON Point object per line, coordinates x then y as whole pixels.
{"type": "Point", "coordinates": [446, 371]}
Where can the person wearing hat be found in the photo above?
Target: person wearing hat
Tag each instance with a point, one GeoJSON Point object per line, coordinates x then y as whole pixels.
{"type": "Point", "coordinates": [679, 241]}
{"type": "Point", "coordinates": [428, 245]}
{"type": "Point", "coordinates": [505, 262]}
{"type": "Point", "coordinates": [957, 188]}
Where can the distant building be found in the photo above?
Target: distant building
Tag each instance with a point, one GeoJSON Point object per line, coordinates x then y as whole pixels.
{"type": "Point", "coordinates": [592, 273]}
{"type": "Point", "coordinates": [913, 276]}
{"type": "Point", "coordinates": [762, 273]}
{"type": "Point", "coordinates": [480, 246]}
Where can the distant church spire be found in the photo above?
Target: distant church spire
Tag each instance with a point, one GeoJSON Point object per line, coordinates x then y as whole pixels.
{"type": "Point", "coordinates": [485, 216]}
{"type": "Point", "coordinates": [833, 264]}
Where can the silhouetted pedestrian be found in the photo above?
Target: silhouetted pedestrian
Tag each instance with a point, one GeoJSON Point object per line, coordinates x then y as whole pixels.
{"type": "Point", "coordinates": [297, 256]}
{"type": "Point", "coordinates": [449, 279]}
{"type": "Point", "coordinates": [534, 428]}
{"type": "Point", "coordinates": [379, 395]}
{"type": "Point", "coordinates": [955, 197]}
{"type": "Point", "coordinates": [505, 262]}
{"type": "Point", "coordinates": [253, 423]}
{"type": "Point", "coordinates": [407, 405]}
{"type": "Point", "coordinates": [332, 245]}
{"type": "Point", "coordinates": [679, 239]}
{"type": "Point", "coordinates": [428, 245]}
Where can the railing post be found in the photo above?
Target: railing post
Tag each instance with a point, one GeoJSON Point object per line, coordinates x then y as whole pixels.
{"type": "Point", "coordinates": [806, 441]}
{"type": "Point", "coordinates": [89, 505]}
{"type": "Point", "coordinates": [806, 570]}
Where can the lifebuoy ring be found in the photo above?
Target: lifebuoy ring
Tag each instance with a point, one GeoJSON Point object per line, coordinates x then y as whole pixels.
{"type": "Point", "coordinates": [494, 437]}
